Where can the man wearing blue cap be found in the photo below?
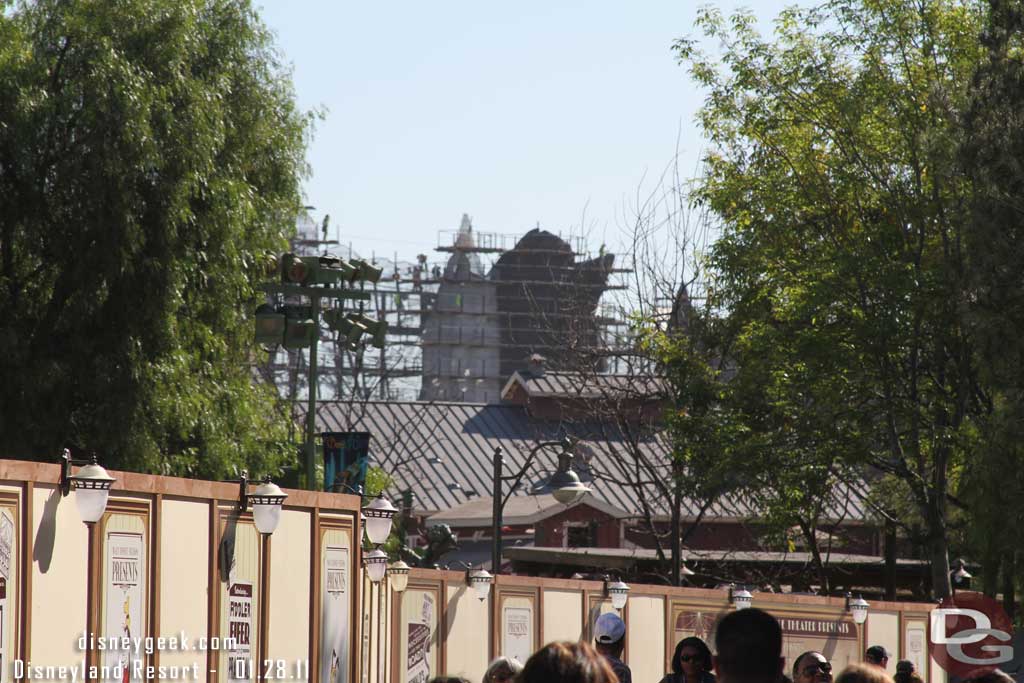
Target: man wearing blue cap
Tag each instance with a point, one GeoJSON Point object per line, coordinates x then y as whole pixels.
{"type": "Point", "coordinates": [610, 641]}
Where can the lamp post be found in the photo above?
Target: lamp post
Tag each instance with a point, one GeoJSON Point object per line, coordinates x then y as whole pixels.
{"type": "Point", "coordinates": [92, 489]}
{"type": "Point", "coordinates": [566, 485]}
{"type": "Point", "coordinates": [267, 500]}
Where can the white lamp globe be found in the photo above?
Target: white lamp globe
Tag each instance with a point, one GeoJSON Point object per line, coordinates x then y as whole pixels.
{"type": "Point", "coordinates": [566, 487]}
{"type": "Point", "coordinates": [266, 501]}
{"type": "Point", "coordinates": [619, 593]}
{"type": "Point", "coordinates": [481, 580]}
{"type": "Point", "coordinates": [859, 610]}
{"type": "Point", "coordinates": [376, 565]}
{"type": "Point", "coordinates": [92, 488]}
{"type": "Point", "coordinates": [742, 599]}
{"type": "Point", "coordinates": [378, 516]}
{"type": "Point", "coordinates": [398, 574]}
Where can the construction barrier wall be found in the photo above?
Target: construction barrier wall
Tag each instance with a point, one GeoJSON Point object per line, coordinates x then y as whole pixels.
{"type": "Point", "coordinates": [439, 626]}
{"type": "Point", "coordinates": [174, 559]}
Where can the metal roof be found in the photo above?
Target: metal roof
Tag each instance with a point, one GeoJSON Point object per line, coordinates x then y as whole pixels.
{"type": "Point", "coordinates": [556, 384]}
{"type": "Point", "coordinates": [444, 452]}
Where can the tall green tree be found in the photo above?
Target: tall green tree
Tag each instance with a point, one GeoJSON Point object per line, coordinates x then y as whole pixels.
{"type": "Point", "coordinates": [834, 172]}
{"type": "Point", "coordinates": [991, 152]}
{"type": "Point", "coordinates": [150, 157]}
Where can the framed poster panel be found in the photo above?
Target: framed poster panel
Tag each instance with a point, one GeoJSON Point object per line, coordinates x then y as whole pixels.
{"type": "Point", "coordinates": [239, 583]}
{"type": "Point", "coordinates": [418, 615]}
{"type": "Point", "coordinates": [335, 600]}
{"type": "Point", "coordinates": [690, 619]}
{"type": "Point", "coordinates": [9, 592]}
{"type": "Point", "coordinates": [124, 590]}
{"type": "Point", "coordinates": [914, 643]}
{"type": "Point", "coordinates": [517, 623]}
{"type": "Point", "coordinates": [832, 634]}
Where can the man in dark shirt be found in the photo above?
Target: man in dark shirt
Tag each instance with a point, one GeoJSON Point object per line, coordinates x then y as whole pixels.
{"type": "Point", "coordinates": [610, 640]}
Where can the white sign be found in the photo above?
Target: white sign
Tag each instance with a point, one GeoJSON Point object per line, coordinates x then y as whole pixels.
{"type": "Point", "coordinates": [517, 633]}
{"type": "Point", "coordinates": [240, 665]}
{"type": "Point", "coordinates": [125, 594]}
{"type": "Point", "coordinates": [334, 615]}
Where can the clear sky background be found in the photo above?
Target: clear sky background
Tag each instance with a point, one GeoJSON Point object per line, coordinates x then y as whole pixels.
{"type": "Point", "coordinates": [511, 112]}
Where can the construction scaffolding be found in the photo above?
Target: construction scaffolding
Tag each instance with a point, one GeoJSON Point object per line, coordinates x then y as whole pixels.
{"type": "Point", "coordinates": [459, 327]}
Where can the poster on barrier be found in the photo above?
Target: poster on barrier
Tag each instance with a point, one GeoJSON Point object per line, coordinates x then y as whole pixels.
{"type": "Point", "coordinates": [125, 596]}
{"type": "Point", "coordinates": [240, 630]}
{"type": "Point", "coordinates": [334, 610]}
{"type": "Point", "coordinates": [517, 637]}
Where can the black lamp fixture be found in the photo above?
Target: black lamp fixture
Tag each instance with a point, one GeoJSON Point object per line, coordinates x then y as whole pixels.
{"type": "Point", "coordinates": [91, 485]}
{"type": "Point", "coordinates": [267, 500]}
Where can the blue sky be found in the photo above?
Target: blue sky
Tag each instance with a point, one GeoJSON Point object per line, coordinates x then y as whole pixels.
{"type": "Point", "coordinates": [539, 111]}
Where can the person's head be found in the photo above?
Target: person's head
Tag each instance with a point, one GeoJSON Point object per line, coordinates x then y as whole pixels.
{"type": "Point", "coordinates": [991, 676]}
{"type": "Point", "coordinates": [877, 655]}
{"type": "Point", "coordinates": [905, 672]}
{"type": "Point", "coordinates": [610, 634]}
{"type": "Point", "coordinates": [502, 670]}
{"type": "Point", "coordinates": [565, 662]}
{"type": "Point", "coordinates": [863, 673]}
{"type": "Point", "coordinates": [749, 646]}
{"type": "Point", "coordinates": [692, 657]}
{"type": "Point", "coordinates": [812, 667]}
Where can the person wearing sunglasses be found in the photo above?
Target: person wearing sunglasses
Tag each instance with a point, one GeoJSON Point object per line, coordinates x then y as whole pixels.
{"type": "Point", "coordinates": [691, 663]}
{"type": "Point", "coordinates": [812, 667]}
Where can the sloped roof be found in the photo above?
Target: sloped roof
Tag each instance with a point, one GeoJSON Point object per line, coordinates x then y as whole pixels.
{"type": "Point", "coordinates": [518, 510]}
{"type": "Point", "coordinates": [555, 384]}
{"type": "Point", "coordinates": [444, 453]}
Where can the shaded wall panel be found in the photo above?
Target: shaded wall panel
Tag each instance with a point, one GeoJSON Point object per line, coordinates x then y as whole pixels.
{"type": "Point", "coordinates": [562, 615]}
{"type": "Point", "coordinates": [184, 569]}
{"type": "Point", "coordinates": [60, 543]}
{"type": "Point", "coordinates": [466, 633]}
{"type": "Point", "coordinates": [289, 589]}
{"type": "Point", "coordinates": [646, 645]}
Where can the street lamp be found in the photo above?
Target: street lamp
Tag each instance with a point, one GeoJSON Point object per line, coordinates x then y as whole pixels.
{"type": "Point", "coordinates": [480, 580]}
{"type": "Point", "coordinates": [618, 591]}
{"type": "Point", "coordinates": [267, 501]}
{"type": "Point", "coordinates": [565, 486]}
{"type": "Point", "coordinates": [379, 515]}
{"type": "Point", "coordinates": [91, 485]}
{"type": "Point", "coordinates": [741, 598]}
{"type": "Point", "coordinates": [858, 608]}
{"type": "Point", "coordinates": [376, 564]}
{"type": "Point", "coordinates": [398, 575]}
{"type": "Point", "coordinates": [92, 489]}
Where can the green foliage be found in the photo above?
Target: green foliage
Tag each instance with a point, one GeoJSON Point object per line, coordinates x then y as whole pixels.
{"type": "Point", "coordinates": [835, 175]}
{"type": "Point", "coordinates": [150, 157]}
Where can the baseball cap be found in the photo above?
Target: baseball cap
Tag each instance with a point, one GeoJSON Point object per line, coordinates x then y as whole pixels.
{"type": "Point", "coordinates": [905, 666]}
{"type": "Point", "coordinates": [609, 628]}
{"type": "Point", "coordinates": [876, 652]}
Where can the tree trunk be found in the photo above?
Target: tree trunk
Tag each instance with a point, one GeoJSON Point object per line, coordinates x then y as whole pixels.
{"type": "Point", "coordinates": [890, 560]}
{"type": "Point", "coordinates": [938, 548]}
{"type": "Point", "coordinates": [1009, 587]}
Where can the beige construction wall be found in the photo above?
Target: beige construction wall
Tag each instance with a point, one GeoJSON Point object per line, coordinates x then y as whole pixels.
{"type": "Point", "coordinates": [326, 621]}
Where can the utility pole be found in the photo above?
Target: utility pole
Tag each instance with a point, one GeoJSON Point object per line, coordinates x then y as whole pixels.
{"type": "Point", "coordinates": [298, 326]}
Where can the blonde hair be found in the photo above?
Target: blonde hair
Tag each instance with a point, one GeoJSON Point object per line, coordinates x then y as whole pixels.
{"type": "Point", "coordinates": [863, 673]}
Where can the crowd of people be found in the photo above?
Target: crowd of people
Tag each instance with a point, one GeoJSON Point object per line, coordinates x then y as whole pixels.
{"type": "Point", "coordinates": [749, 650]}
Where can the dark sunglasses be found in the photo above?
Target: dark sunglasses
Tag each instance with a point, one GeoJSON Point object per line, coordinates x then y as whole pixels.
{"type": "Point", "coordinates": [690, 658]}
{"type": "Point", "coordinates": [823, 667]}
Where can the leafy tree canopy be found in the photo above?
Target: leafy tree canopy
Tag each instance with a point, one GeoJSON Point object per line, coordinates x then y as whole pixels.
{"type": "Point", "coordinates": [835, 174]}
{"type": "Point", "coordinates": [150, 157]}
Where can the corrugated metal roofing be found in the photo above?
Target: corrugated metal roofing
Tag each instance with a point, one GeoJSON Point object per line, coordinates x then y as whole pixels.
{"type": "Point", "coordinates": [444, 453]}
